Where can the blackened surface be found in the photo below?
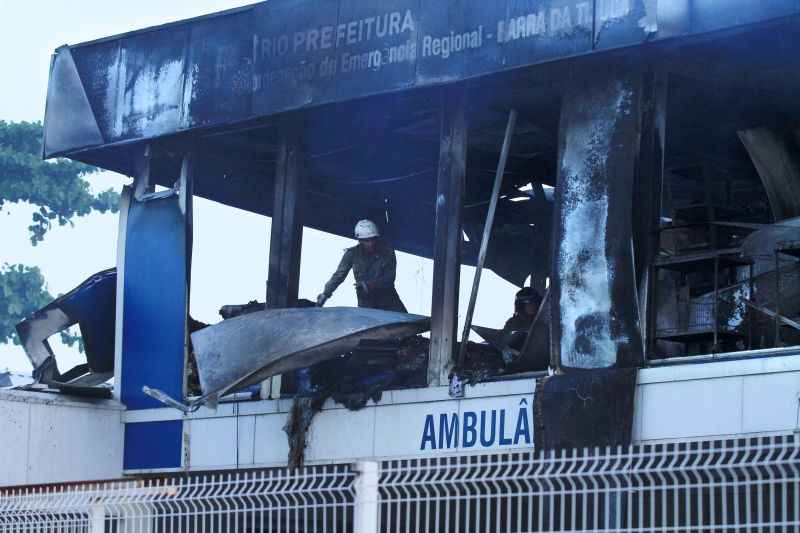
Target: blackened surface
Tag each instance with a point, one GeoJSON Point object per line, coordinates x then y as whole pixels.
{"type": "Point", "coordinates": [708, 15]}
{"type": "Point", "coordinates": [388, 53]}
{"type": "Point", "coordinates": [648, 192]}
{"type": "Point", "coordinates": [220, 73]}
{"type": "Point", "coordinates": [287, 220]}
{"type": "Point", "coordinates": [297, 425]}
{"type": "Point", "coordinates": [355, 378]}
{"type": "Point", "coordinates": [447, 243]}
{"type": "Point", "coordinates": [152, 97]}
{"type": "Point", "coordinates": [287, 54]}
{"type": "Point", "coordinates": [551, 29]}
{"type": "Point", "coordinates": [285, 76]}
{"type": "Point", "coordinates": [594, 309]}
{"type": "Point", "coordinates": [102, 90]}
{"type": "Point", "coordinates": [584, 409]}
{"type": "Point", "coordinates": [440, 17]}
{"type": "Point", "coordinates": [624, 22]}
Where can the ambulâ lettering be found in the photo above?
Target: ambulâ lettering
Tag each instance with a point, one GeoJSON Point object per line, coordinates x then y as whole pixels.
{"type": "Point", "coordinates": [486, 428]}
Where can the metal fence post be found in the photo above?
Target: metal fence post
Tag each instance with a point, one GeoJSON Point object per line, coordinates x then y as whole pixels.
{"type": "Point", "coordinates": [97, 518]}
{"type": "Point", "coordinates": [366, 501]}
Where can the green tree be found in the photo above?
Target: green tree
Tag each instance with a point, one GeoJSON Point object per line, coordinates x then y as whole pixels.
{"type": "Point", "coordinates": [59, 191]}
{"type": "Point", "coordinates": [23, 291]}
{"type": "Point", "coordinates": [57, 187]}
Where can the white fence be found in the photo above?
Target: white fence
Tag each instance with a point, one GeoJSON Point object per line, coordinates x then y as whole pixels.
{"type": "Point", "coordinates": [733, 485]}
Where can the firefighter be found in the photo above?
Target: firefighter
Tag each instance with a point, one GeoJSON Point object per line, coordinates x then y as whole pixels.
{"type": "Point", "coordinates": [374, 266]}
{"type": "Point", "coordinates": [515, 331]}
{"type": "Point", "coordinates": [526, 304]}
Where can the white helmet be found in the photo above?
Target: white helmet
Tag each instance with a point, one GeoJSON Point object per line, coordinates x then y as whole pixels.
{"type": "Point", "coordinates": [366, 229]}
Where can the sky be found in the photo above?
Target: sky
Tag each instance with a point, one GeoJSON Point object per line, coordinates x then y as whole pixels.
{"type": "Point", "coordinates": [227, 268]}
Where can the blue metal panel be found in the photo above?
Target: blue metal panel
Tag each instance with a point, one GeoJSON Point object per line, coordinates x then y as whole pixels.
{"type": "Point", "coordinates": [92, 304]}
{"type": "Point", "coordinates": [153, 445]}
{"type": "Point", "coordinates": [155, 297]}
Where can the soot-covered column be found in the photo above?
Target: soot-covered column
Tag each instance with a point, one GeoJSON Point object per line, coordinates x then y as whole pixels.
{"type": "Point", "coordinates": [594, 304]}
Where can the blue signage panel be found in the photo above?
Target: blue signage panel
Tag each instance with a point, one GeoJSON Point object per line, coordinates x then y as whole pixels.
{"type": "Point", "coordinates": [155, 297]}
{"type": "Point", "coordinates": [288, 54]}
{"type": "Point", "coordinates": [150, 445]}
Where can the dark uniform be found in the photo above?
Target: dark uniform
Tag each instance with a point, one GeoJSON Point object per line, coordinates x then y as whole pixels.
{"type": "Point", "coordinates": [516, 330]}
{"type": "Point", "coordinates": [521, 319]}
{"type": "Point", "coordinates": [518, 322]}
{"type": "Point", "coordinates": [374, 274]}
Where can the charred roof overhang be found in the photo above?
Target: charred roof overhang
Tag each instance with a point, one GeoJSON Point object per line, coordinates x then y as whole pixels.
{"type": "Point", "coordinates": [224, 82]}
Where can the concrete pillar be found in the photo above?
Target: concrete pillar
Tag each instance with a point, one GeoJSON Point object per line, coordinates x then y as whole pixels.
{"type": "Point", "coordinates": [594, 302]}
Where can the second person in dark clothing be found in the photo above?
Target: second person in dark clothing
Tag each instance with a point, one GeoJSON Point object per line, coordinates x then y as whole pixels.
{"type": "Point", "coordinates": [374, 266]}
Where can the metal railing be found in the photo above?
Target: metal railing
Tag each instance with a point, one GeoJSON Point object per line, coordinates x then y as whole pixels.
{"type": "Point", "coordinates": [748, 484]}
{"type": "Point", "coordinates": [318, 498]}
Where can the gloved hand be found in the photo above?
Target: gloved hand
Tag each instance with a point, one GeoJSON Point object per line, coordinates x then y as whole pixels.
{"type": "Point", "coordinates": [321, 299]}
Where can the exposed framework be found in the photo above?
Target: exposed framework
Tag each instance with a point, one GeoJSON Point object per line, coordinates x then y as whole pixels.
{"type": "Point", "coordinates": [423, 159]}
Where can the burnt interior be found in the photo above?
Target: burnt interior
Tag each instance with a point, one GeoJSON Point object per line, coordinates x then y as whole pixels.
{"type": "Point", "coordinates": [378, 158]}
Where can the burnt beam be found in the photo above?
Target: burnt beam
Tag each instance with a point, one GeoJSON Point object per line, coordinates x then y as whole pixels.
{"type": "Point", "coordinates": [647, 191]}
{"type": "Point", "coordinates": [447, 238]}
{"type": "Point", "coordinates": [594, 310]}
{"type": "Point", "coordinates": [287, 219]}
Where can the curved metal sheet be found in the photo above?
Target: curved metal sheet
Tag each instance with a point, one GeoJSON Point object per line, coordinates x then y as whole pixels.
{"type": "Point", "coordinates": [91, 305]}
{"type": "Point", "coordinates": [247, 349]}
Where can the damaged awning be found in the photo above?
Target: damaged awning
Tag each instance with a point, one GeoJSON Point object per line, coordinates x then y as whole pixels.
{"type": "Point", "coordinates": [276, 56]}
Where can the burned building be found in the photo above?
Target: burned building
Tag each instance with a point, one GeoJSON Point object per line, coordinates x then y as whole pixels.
{"type": "Point", "coordinates": [635, 162]}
